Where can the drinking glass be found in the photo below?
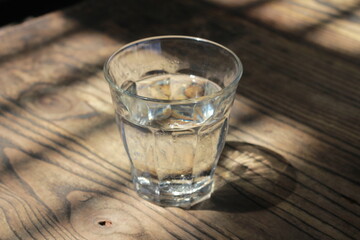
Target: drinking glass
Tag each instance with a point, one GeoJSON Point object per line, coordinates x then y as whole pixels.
{"type": "Point", "coordinates": [172, 97]}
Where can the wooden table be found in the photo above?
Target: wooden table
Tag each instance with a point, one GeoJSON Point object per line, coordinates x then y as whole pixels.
{"type": "Point", "coordinates": [290, 169]}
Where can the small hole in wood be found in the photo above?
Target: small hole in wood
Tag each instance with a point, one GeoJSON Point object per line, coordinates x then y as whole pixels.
{"type": "Point", "coordinates": [105, 223]}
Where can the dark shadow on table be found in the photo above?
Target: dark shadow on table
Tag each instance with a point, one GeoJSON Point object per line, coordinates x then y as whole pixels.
{"type": "Point", "coordinates": [250, 178]}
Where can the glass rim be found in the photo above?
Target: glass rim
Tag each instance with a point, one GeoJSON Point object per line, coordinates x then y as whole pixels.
{"type": "Point", "coordinates": [233, 83]}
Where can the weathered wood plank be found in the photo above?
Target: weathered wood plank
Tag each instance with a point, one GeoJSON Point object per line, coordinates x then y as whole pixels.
{"type": "Point", "coordinates": [324, 23]}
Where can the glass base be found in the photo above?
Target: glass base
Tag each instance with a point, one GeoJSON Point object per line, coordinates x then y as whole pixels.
{"type": "Point", "coordinates": [170, 194]}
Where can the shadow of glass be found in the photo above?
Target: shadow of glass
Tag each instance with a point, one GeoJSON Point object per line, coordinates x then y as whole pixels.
{"type": "Point", "coordinates": [250, 178]}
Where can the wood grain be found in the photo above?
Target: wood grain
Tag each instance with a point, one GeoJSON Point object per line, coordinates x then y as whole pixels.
{"type": "Point", "coordinates": [290, 169]}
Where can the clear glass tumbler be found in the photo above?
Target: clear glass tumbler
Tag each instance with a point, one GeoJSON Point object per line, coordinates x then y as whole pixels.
{"type": "Point", "coordinates": [172, 98]}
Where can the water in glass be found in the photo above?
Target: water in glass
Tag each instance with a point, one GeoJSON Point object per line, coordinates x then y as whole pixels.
{"type": "Point", "coordinates": [173, 147]}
